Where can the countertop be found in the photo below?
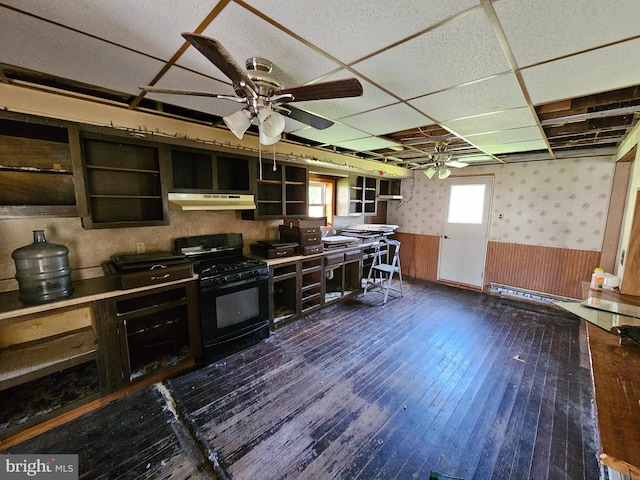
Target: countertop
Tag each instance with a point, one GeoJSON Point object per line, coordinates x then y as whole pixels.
{"type": "Point", "coordinates": [615, 368]}
{"type": "Point", "coordinates": [295, 258]}
{"type": "Point", "coordinates": [84, 291]}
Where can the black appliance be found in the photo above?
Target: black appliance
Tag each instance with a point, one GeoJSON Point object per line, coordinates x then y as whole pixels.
{"type": "Point", "coordinates": [234, 292]}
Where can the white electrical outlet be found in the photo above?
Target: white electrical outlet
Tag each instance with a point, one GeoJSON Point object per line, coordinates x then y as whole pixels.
{"type": "Point", "coordinates": [140, 247]}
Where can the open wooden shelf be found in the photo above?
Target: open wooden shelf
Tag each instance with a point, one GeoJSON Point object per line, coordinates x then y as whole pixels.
{"type": "Point", "coordinates": [25, 362]}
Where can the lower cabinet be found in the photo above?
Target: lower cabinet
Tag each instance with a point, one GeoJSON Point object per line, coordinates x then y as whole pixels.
{"type": "Point", "coordinates": [58, 358]}
{"type": "Point", "coordinates": [40, 355]}
{"type": "Point", "coordinates": [150, 332]}
{"type": "Point", "coordinates": [343, 274]}
{"type": "Point", "coordinates": [302, 286]}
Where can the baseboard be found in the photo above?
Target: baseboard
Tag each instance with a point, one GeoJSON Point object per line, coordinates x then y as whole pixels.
{"type": "Point", "coordinates": [529, 295]}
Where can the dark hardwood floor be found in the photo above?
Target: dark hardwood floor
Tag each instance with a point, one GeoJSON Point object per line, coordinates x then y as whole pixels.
{"type": "Point", "coordinates": [443, 380]}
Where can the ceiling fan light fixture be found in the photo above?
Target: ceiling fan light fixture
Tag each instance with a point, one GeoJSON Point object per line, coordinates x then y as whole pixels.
{"type": "Point", "coordinates": [270, 125]}
{"type": "Point", "coordinates": [268, 140]}
{"type": "Point", "coordinates": [444, 173]}
{"type": "Point", "coordinates": [238, 122]}
{"type": "Point", "coordinates": [271, 122]}
{"type": "Point", "coordinates": [430, 172]}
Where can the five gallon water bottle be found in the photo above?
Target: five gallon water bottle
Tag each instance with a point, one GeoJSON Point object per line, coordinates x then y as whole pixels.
{"type": "Point", "coordinates": [42, 270]}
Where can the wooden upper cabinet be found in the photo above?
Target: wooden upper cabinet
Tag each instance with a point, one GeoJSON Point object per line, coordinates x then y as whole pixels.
{"type": "Point", "coordinates": [35, 169]}
{"type": "Point", "coordinates": [124, 182]}
{"type": "Point", "coordinates": [357, 195]}
{"type": "Point", "coordinates": [206, 171]}
{"type": "Point", "coordinates": [279, 192]}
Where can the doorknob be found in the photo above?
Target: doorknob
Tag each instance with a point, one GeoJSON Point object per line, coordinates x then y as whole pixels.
{"type": "Point", "coordinates": [444, 236]}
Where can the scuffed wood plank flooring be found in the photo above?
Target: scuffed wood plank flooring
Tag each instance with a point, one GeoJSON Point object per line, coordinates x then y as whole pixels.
{"type": "Point", "coordinates": [444, 380]}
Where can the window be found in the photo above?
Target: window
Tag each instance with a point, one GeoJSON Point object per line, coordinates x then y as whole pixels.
{"type": "Point", "coordinates": [321, 197]}
{"type": "Point", "coordinates": [466, 204]}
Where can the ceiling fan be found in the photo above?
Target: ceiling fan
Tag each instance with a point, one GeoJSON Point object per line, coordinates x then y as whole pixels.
{"type": "Point", "coordinates": [265, 98]}
{"type": "Point", "coordinates": [439, 163]}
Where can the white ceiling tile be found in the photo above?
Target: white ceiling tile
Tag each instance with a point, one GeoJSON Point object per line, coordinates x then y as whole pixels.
{"type": "Point", "coordinates": [600, 70]}
{"type": "Point", "coordinates": [366, 144]}
{"type": "Point", "coordinates": [149, 26]}
{"type": "Point", "coordinates": [460, 51]}
{"type": "Point", "coordinates": [41, 46]}
{"type": "Point", "coordinates": [506, 136]}
{"type": "Point", "coordinates": [245, 35]}
{"type": "Point", "coordinates": [516, 147]}
{"type": "Point", "coordinates": [501, 92]}
{"type": "Point", "coordinates": [338, 132]}
{"type": "Point", "coordinates": [492, 122]}
{"type": "Point", "coordinates": [359, 27]}
{"type": "Point", "coordinates": [541, 30]}
{"type": "Point", "coordinates": [387, 119]}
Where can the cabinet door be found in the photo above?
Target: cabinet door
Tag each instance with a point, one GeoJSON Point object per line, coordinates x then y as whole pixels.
{"type": "Point", "coordinates": [124, 183]}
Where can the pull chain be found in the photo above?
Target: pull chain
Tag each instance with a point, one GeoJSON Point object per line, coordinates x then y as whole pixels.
{"type": "Point", "coordinates": [274, 157]}
{"type": "Point", "coordinates": [260, 158]}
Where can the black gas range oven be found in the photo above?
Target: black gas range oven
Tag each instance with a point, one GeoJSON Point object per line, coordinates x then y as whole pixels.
{"type": "Point", "coordinates": [234, 292]}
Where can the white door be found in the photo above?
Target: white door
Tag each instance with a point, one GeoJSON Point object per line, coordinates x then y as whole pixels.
{"type": "Point", "coordinates": [463, 246]}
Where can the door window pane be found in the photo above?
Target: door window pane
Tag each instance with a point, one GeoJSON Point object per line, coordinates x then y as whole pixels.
{"type": "Point", "coordinates": [466, 204]}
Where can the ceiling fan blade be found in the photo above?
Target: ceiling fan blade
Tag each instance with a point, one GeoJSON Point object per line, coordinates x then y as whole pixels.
{"type": "Point", "coordinates": [349, 87]}
{"type": "Point", "coordinates": [308, 118]}
{"type": "Point", "coordinates": [221, 58]}
{"type": "Point", "coordinates": [199, 93]}
{"type": "Point", "coordinates": [456, 164]}
{"type": "Point", "coordinates": [423, 166]}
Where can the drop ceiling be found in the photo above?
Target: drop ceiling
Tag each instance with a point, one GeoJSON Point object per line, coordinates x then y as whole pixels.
{"type": "Point", "coordinates": [498, 81]}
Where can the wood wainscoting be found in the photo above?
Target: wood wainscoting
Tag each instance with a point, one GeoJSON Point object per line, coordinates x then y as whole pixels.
{"type": "Point", "coordinates": [419, 255]}
{"type": "Point", "coordinates": [557, 271]}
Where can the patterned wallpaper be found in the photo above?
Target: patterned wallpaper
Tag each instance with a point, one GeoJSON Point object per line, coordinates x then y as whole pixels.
{"type": "Point", "coordinates": [560, 203]}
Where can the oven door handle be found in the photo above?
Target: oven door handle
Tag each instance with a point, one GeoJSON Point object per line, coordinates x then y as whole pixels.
{"type": "Point", "coordinates": [209, 284]}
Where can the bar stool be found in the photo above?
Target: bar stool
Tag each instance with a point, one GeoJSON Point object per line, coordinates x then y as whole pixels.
{"type": "Point", "coordinates": [381, 273]}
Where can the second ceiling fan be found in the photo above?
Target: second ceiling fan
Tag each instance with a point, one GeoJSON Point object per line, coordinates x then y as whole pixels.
{"type": "Point", "coordinates": [266, 101]}
{"type": "Point", "coordinates": [439, 163]}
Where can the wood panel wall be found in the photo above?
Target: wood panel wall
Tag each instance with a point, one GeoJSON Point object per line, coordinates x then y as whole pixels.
{"type": "Point", "coordinates": [419, 255]}
{"type": "Point", "coordinates": [558, 271]}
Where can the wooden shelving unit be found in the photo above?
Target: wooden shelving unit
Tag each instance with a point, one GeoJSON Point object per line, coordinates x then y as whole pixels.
{"type": "Point", "coordinates": [311, 285]}
{"type": "Point", "coordinates": [35, 169]}
{"type": "Point", "coordinates": [35, 346]}
{"type": "Point", "coordinates": [123, 183]}
{"type": "Point", "coordinates": [279, 193]}
{"type": "Point", "coordinates": [389, 189]}
{"type": "Point", "coordinates": [357, 195]}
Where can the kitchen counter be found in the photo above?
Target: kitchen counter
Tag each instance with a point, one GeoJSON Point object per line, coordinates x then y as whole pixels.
{"type": "Point", "coordinates": [615, 368]}
{"type": "Point", "coordinates": [85, 291]}
{"type": "Point", "coordinates": [295, 258]}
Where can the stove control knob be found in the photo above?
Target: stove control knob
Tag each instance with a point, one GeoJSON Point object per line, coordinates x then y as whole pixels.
{"type": "Point", "coordinates": [223, 279]}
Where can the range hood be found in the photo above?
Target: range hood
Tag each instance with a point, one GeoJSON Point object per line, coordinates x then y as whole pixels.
{"type": "Point", "coordinates": [211, 201]}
